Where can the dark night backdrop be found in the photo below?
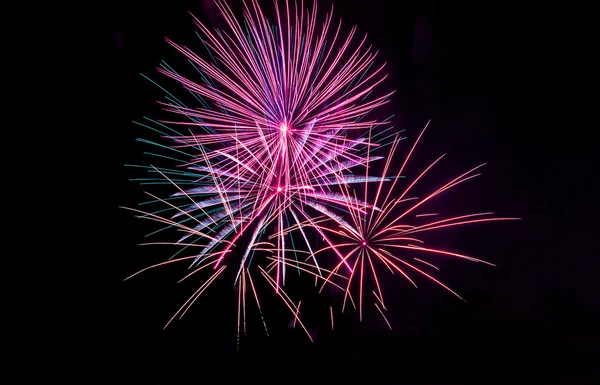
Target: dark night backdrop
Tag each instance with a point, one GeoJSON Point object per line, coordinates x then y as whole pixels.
{"type": "Point", "coordinates": [479, 72]}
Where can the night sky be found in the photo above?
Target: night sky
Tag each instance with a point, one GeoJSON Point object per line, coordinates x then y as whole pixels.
{"type": "Point", "coordinates": [478, 71]}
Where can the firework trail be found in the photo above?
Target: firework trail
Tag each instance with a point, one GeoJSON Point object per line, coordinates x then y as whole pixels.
{"type": "Point", "coordinates": [272, 140]}
{"type": "Point", "coordinates": [385, 239]}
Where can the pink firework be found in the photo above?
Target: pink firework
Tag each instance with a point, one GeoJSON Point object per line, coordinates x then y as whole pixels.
{"type": "Point", "coordinates": [385, 239]}
{"type": "Point", "coordinates": [273, 140]}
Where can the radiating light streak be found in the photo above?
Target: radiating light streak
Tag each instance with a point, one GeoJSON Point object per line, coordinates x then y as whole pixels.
{"type": "Point", "coordinates": [426, 215]}
{"type": "Point", "coordinates": [384, 317]}
{"type": "Point", "coordinates": [331, 312]}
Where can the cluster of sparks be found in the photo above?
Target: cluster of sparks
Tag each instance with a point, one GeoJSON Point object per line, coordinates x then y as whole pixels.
{"type": "Point", "coordinates": [281, 142]}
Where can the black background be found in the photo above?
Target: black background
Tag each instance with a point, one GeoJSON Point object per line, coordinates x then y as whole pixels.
{"type": "Point", "coordinates": [482, 73]}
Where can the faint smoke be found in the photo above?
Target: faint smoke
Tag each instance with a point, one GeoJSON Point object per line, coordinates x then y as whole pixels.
{"type": "Point", "coordinates": [421, 49]}
{"type": "Point", "coordinates": [209, 8]}
{"type": "Point", "coordinates": [118, 39]}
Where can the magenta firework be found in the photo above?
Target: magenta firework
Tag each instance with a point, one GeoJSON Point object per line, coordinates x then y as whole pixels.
{"type": "Point", "coordinates": [281, 140]}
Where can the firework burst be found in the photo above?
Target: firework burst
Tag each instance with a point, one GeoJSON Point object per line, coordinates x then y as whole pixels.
{"type": "Point", "coordinates": [384, 238]}
{"type": "Point", "coordinates": [272, 139]}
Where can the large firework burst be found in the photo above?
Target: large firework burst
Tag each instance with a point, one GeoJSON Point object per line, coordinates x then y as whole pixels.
{"type": "Point", "coordinates": [271, 139]}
